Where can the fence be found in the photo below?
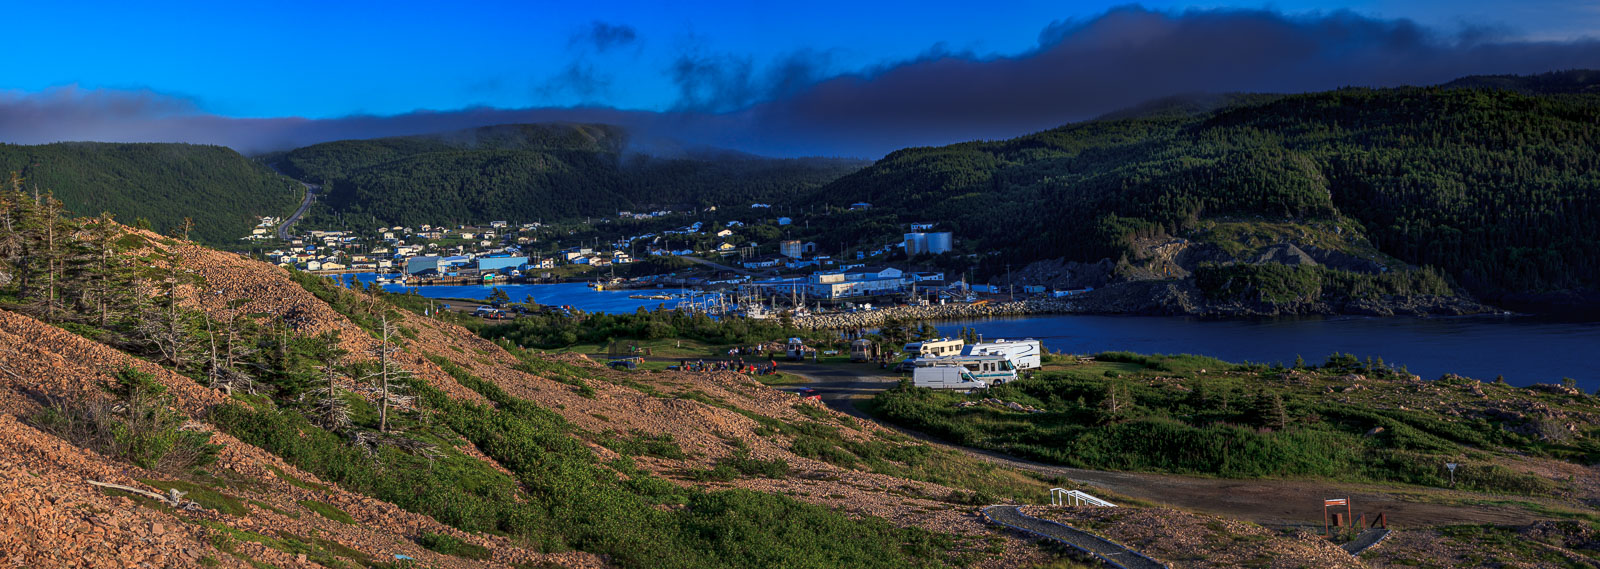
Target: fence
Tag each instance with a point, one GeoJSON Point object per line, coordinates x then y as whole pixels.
{"type": "Point", "coordinates": [1065, 497]}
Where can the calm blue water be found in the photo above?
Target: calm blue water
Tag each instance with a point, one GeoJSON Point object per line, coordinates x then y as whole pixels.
{"type": "Point", "coordinates": [578, 295]}
{"type": "Point", "coordinates": [1525, 349]}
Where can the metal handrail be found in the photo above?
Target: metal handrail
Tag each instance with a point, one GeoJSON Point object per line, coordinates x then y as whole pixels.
{"type": "Point", "coordinates": [1062, 497]}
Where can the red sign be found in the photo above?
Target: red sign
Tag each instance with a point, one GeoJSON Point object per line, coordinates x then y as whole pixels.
{"type": "Point", "coordinates": [1336, 502]}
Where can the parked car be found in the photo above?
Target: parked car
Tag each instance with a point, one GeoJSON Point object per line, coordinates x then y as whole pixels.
{"type": "Point", "coordinates": [624, 364]}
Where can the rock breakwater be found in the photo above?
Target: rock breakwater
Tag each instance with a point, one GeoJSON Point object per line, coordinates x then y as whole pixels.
{"type": "Point", "coordinates": [874, 318]}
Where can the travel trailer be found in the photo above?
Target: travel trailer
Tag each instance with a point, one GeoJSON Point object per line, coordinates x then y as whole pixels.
{"type": "Point", "coordinates": [934, 348]}
{"type": "Point", "coordinates": [945, 374]}
{"type": "Point", "coordinates": [1024, 354]}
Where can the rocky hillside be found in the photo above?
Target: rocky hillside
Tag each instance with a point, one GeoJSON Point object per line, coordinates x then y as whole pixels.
{"type": "Point", "coordinates": [269, 501]}
{"type": "Point", "coordinates": [1237, 268]}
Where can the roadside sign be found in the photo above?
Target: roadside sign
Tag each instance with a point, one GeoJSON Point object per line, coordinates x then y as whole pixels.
{"type": "Point", "coordinates": [1337, 519]}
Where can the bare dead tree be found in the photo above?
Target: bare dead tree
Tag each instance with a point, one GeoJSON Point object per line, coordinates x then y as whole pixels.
{"type": "Point", "coordinates": [165, 326]}
{"type": "Point", "coordinates": [329, 408]}
{"type": "Point", "coordinates": [225, 354]}
{"type": "Point", "coordinates": [388, 378]}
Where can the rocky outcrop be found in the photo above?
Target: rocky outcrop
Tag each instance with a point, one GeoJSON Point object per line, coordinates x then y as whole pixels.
{"type": "Point", "coordinates": [874, 318]}
{"type": "Point", "coordinates": [1149, 298]}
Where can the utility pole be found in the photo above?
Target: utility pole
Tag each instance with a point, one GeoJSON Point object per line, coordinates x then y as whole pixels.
{"type": "Point", "coordinates": [1011, 286]}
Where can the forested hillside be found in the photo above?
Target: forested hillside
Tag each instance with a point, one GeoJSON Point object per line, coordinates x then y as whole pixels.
{"type": "Point", "coordinates": [537, 172]}
{"type": "Point", "coordinates": [221, 190]}
{"type": "Point", "coordinates": [1500, 190]}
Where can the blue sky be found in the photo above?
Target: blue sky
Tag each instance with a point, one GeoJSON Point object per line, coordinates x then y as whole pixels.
{"type": "Point", "coordinates": [329, 59]}
{"type": "Point", "coordinates": [832, 77]}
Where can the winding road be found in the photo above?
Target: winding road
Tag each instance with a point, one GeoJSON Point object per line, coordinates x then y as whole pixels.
{"type": "Point", "coordinates": [1277, 503]}
{"type": "Point", "coordinates": [311, 197]}
{"type": "Point", "coordinates": [716, 265]}
{"type": "Point", "coordinates": [305, 204]}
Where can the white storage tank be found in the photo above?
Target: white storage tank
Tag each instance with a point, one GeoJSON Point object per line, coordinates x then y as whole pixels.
{"type": "Point", "coordinates": [916, 243]}
{"type": "Point", "coordinates": [938, 243]}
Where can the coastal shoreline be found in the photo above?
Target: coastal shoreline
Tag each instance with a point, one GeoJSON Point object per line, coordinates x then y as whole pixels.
{"type": "Point", "coordinates": [1106, 305]}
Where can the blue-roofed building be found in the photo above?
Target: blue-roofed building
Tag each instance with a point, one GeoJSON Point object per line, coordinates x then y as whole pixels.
{"type": "Point", "coordinates": [500, 263]}
{"type": "Point", "coordinates": [417, 265]}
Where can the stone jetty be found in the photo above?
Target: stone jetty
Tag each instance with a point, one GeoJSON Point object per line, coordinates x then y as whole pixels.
{"type": "Point", "coordinates": [873, 318]}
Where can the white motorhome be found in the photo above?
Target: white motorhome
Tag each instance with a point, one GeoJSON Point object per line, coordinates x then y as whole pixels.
{"type": "Point", "coordinates": [945, 374]}
{"type": "Point", "coordinates": [935, 348]}
{"type": "Point", "coordinates": [1024, 354]}
{"type": "Point", "coordinates": [991, 370]}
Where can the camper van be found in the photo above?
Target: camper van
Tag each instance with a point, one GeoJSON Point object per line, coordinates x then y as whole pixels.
{"type": "Point", "coordinates": [945, 374]}
{"type": "Point", "coordinates": [1024, 354]}
{"type": "Point", "coordinates": [862, 350]}
{"type": "Point", "coordinates": [797, 349]}
{"type": "Point", "coordinates": [934, 348]}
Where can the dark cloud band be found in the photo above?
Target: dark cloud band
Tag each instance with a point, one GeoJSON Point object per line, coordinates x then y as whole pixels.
{"type": "Point", "coordinates": [1081, 69]}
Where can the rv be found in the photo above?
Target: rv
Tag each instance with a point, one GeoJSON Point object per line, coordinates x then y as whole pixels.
{"type": "Point", "coordinates": [991, 369]}
{"type": "Point", "coordinates": [797, 349]}
{"type": "Point", "coordinates": [988, 370]}
{"type": "Point", "coordinates": [862, 350]}
{"type": "Point", "coordinates": [1024, 354]}
{"type": "Point", "coordinates": [934, 348]}
{"type": "Point", "coordinates": [944, 374]}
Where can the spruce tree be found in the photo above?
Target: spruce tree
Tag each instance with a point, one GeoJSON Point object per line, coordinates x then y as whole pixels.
{"type": "Point", "coordinates": [108, 278]}
{"type": "Point", "coordinates": [1270, 412]}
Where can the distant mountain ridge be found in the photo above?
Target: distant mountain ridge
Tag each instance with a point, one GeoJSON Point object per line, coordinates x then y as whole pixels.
{"type": "Point", "coordinates": [1498, 189]}
{"type": "Point", "coordinates": [539, 172]}
{"type": "Point", "coordinates": [332, 160]}
{"type": "Point", "coordinates": [220, 189]}
{"type": "Point", "coordinates": [1573, 81]}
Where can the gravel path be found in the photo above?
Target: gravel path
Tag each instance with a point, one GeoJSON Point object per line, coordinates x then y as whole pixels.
{"type": "Point", "coordinates": [1365, 541]}
{"type": "Point", "coordinates": [1104, 549]}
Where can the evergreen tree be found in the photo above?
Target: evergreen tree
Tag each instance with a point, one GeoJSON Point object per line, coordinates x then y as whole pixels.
{"type": "Point", "coordinates": [1270, 412]}
{"type": "Point", "coordinates": [164, 325]}
{"type": "Point", "coordinates": [50, 254]}
{"type": "Point", "coordinates": [108, 288]}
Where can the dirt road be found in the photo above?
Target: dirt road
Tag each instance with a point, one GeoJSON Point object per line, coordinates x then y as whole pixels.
{"type": "Point", "coordinates": [1266, 502]}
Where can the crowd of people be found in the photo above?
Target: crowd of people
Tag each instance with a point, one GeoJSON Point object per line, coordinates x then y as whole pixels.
{"type": "Point", "coordinates": [735, 365]}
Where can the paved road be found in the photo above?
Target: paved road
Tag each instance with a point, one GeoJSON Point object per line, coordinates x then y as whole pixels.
{"type": "Point", "coordinates": [1276, 503]}
{"type": "Point", "coordinates": [718, 266]}
{"type": "Point", "coordinates": [305, 204]}
{"type": "Point", "coordinates": [1011, 516]}
{"type": "Point", "coordinates": [311, 197]}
